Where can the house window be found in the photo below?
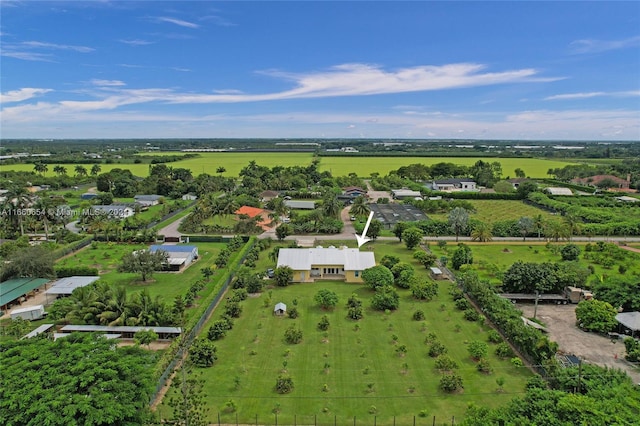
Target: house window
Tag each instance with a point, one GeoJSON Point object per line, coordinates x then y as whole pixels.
{"type": "Point", "coordinates": [357, 274]}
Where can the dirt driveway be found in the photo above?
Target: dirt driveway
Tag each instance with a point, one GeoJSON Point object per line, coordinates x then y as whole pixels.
{"type": "Point", "coordinates": [560, 321]}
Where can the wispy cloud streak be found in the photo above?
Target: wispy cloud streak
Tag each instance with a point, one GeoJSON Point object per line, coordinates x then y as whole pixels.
{"type": "Point", "coordinates": [586, 95]}
{"type": "Point", "coordinates": [178, 22]}
{"type": "Point", "coordinates": [596, 46]}
{"type": "Point", "coordinates": [22, 94]}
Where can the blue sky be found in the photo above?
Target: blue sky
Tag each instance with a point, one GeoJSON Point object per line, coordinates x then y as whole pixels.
{"type": "Point", "coordinates": [360, 69]}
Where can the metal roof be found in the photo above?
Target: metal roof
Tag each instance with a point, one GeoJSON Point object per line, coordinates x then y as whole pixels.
{"type": "Point", "coordinates": [42, 329]}
{"type": "Point", "coordinates": [631, 320]}
{"type": "Point", "coordinates": [304, 259]}
{"type": "Point", "coordinates": [28, 309]}
{"type": "Point", "coordinates": [119, 329]}
{"type": "Point", "coordinates": [146, 197]}
{"type": "Point", "coordinates": [68, 284]}
{"type": "Point", "coordinates": [280, 307]}
{"type": "Point", "coordinates": [13, 289]}
{"type": "Point", "coordinates": [172, 249]}
{"type": "Point", "coordinates": [295, 204]}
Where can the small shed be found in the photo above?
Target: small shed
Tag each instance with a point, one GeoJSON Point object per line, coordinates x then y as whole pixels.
{"type": "Point", "coordinates": [630, 320]}
{"type": "Point", "coordinates": [280, 309]}
{"type": "Point", "coordinates": [436, 273]}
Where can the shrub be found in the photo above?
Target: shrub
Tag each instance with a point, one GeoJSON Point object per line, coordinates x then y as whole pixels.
{"type": "Point", "coordinates": [446, 363]}
{"type": "Point", "coordinates": [326, 299]}
{"type": "Point", "coordinates": [218, 329]}
{"type": "Point", "coordinates": [483, 366]}
{"type": "Point", "coordinates": [517, 362]}
{"type": "Point", "coordinates": [450, 382]}
{"type": "Point", "coordinates": [293, 335]}
{"type": "Point", "coordinates": [293, 313]}
{"type": "Point", "coordinates": [418, 315]}
{"type": "Point", "coordinates": [70, 271]}
{"type": "Point", "coordinates": [386, 298]}
{"type": "Point", "coordinates": [424, 290]}
{"type": "Point", "coordinates": [463, 304]}
{"type": "Point", "coordinates": [471, 315]}
{"type": "Point", "coordinates": [324, 323]}
{"type": "Point", "coordinates": [284, 384]}
{"type": "Point", "coordinates": [355, 313]}
{"type": "Point", "coordinates": [570, 252]}
{"type": "Point", "coordinates": [503, 350]}
{"type": "Point", "coordinates": [436, 349]}
{"type": "Point", "coordinates": [494, 337]}
{"type": "Point", "coordinates": [203, 352]}
{"type": "Point", "coordinates": [478, 349]}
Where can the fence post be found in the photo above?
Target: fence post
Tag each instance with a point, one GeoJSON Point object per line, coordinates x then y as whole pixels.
{"type": "Point", "coordinates": [414, 420]}
{"type": "Point", "coordinates": [256, 420]}
{"type": "Point", "coordinates": [453, 420]}
{"type": "Point", "coordinates": [434, 420]}
{"type": "Point", "coordinates": [354, 420]}
{"type": "Point", "coordinates": [218, 418]}
{"type": "Point", "coordinates": [295, 420]}
{"type": "Point", "coordinates": [236, 418]}
{"type": "Point", "coordinates": [394, 420]}
{"type": "Point", "coordinates": [375, 420]}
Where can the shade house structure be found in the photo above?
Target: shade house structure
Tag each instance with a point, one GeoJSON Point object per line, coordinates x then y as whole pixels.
{"type": "Point", "coordinates": [630, 320]}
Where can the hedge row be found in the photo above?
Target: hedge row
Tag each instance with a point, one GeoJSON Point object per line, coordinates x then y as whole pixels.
{"type": "Point", "coordinates": [508, 319]}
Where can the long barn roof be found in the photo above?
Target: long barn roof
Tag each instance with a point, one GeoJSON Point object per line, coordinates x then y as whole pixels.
{"type": "Point", "coordinates": [303, 258]}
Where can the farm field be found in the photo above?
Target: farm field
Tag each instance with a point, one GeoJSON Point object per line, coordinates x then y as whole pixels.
{"type": "Point", "coordinates": [233, 162]}
{"type": "Point", "coordinates": [489, 257]}
{"type": "Point", "coordinates": [490, 211]}
{"type": "Point", "coordinates": [106, 259]}
{"type": "Point", "coordinates": [363, 374]}
{"type": "Point", "coordinates": [364, 166]}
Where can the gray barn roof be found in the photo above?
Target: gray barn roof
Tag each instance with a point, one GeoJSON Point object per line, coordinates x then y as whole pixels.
{"type": "Point", "coordinates": [68, 284]}
{"type": "Point", "coordinates": [631, 320]}
{"type": "Point", "coordinates": [119, 329]}
{"type": "Point", "coordinates": [303, 258]}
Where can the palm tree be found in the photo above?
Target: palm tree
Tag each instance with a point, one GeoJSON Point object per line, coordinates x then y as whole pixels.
{"type": "Point", "coordinates": [95, 169]}
{"type": "Point", "coordinates": [41, 168]}
{"type": "Point", "coordinates": [19, 198]}
{"type": "Point", "coordinates": [331, 206]}
{"type": "Point", "coordinates": [525, 226]}
{"type": "Point", "coordinates": [572, 222]}
{"type": "Point", "coordinates": [81, 171]}
{"type": "Point", "coordinates": [481, 232]}
{"type": "Point", "coordinates": [458, 219]}
{"type": "Point", "coordinates": [359, 207]}
{"type": "Point", "coordinates": [60, 170]}
{"type": "Point", "coordinates": [273, 254]}
{"type": "Point", "coordinates": [539, 224]}
{"type": "Point", "coordinates": [556, 230]}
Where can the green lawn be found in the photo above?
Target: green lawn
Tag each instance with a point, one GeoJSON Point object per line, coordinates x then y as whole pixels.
{"type": "Point", "coordinates": [490, 211]}
{"type": "Point", "coordinates": [233, 162]}
{"type": "Point", "coordinates": [364, 166]}
{"type": "Point", "coordinates": [254, 352]}
{"type": "Point", "coordinates": [486, 257]}
{"type": "Point", "coordinates": [106, 259]}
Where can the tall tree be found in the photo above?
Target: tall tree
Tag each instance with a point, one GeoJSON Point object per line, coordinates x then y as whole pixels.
{"type": "Point", "coordinates": [80, 379]}
{"type": "Point", "coordinates": [81, 171]}
{"type": "Point", "coordinates": [41, 168]}
{"type": "Point", "coordinates": [481, 232]}
{"type": "Point", "coordinates": [359, 207]}
{"type": "Point", "coordinates": [525, 226]}
{"type": "Point", "coordinates": [458, 220]}
{"type": "Point", "coordinates": [143, 262]}
{"type": "Point", "coordinates": [331, 206]}
{"type": "Point", "coordinates": [95, 170]}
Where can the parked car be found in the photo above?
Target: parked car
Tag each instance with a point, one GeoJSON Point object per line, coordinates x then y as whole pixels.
{"type": "Point", "coordinates": [270, 273]}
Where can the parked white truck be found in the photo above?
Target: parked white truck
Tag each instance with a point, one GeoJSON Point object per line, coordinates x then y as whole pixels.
{"type": "Point", "coordinates": [30, 313]}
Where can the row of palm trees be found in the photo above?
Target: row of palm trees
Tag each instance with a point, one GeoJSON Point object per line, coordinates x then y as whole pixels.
{"type": "Point", "coordinates": [104, 304]}
{"type": "Point", "coordinates": [80, 171]}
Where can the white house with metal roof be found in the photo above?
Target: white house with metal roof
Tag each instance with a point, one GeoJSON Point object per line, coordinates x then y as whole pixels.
{"type": "Point", "coordinates": [179, 256]}
{"type": "Point", "coordinates": [331, 263]}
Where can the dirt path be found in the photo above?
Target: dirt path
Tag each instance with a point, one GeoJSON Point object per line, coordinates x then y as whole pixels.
{"type": "Point", "coordinates": [591, 347]}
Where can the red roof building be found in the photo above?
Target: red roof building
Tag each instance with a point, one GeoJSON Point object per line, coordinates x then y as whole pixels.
{"type": "Point", "coordinates": [253, 212]}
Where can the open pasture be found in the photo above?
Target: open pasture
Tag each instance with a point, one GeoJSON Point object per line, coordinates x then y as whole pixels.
{"type": "Point", "coordinates": [364, 166]}
{"type": "Point", "coordinates": [106, 258]}
{"type": "Point", "coordinates": [233, 162]}
{"type": "Point", "coordinates": [356, 360]}
{"type": "Point", "coordinates": [490, 211]}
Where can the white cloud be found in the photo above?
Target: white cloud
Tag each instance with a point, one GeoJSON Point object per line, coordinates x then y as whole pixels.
{"type": "Point", "coordinates": [22, 94]}
{"type": "Point", "coordinates": [110, 83]}
{"type": "Point", "coordinates": [27, 56]}
{"type": "Point", "coordinates": [54, 46]}
{"type": "Point", "coordinates": [136, 42]}
{"type": "Point", "coordinates": [585, 95]}
{"type": "Point", "coordinates": [596, 46]}
{"type": "Point", "coordinates": [178, 22]}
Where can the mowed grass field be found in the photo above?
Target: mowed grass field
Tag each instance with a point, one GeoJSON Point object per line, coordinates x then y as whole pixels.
{"type": "Point", "coordinates": [106, 258]}
{"type": "Point", "coordinates": [490, 211]}
{"type": "Point", "coordinates": [233, 162]}
{"type": "Point", "coordinates": [363, 374]}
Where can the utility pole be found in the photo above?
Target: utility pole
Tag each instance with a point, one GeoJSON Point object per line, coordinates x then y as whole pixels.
{"type": "Point", "coordinates": [535, 309]}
